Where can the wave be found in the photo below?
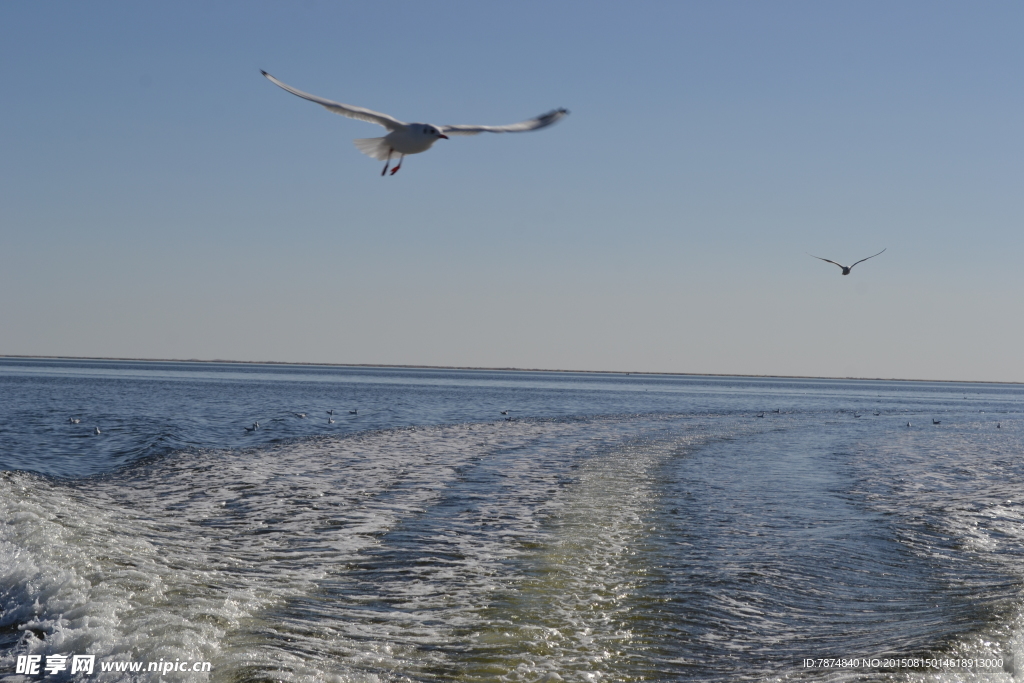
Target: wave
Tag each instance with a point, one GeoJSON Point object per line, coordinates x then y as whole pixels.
{"type": "Point", "coordinates": [242, 558]}
{"type": "Point", "coordinates": [654, 547]}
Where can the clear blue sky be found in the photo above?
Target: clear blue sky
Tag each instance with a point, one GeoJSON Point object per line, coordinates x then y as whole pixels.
{"type": "Point", "coordinates": [159, 198]}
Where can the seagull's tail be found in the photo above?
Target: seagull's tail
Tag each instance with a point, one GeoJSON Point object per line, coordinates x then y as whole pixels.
{"type": "Point", "coordinates": [373, 147]}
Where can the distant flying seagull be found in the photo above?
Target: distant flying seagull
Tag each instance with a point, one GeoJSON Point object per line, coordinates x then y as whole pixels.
{"type": "Point", "coordinates": [411, 138]}
{"type": "Point", "coordinates": [73, 420]}
{"type": "Point", "coordinates": [846, 269]}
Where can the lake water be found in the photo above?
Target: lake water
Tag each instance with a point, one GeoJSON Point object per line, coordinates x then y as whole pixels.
{"type": "Point", "coordinates": [608, 528]}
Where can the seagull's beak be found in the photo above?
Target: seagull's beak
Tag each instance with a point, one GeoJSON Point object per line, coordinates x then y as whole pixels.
{"type": "Point", "coordinates": [442, 136]}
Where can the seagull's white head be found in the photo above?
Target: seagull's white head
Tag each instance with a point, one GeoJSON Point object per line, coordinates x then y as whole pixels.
{"type": "Point", "coordinates": [428, 130]}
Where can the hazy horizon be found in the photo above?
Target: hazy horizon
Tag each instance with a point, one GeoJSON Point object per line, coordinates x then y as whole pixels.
{"type": "Point", "coordinates": [228, 361]}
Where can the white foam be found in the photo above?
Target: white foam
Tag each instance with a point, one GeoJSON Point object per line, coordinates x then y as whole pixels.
{"type": "Point", "coordinates": [245, 559]}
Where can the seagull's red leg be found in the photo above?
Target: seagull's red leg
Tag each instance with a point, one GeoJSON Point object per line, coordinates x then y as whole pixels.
{"type": "Point", "coordinates": [388, 162]}
{"type": "Point", "coordinates": [395, 169]}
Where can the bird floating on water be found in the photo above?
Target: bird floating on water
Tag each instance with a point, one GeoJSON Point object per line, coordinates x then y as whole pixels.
{"type": "Point", "coordinates": [936, 422]}
{"type": "Point", "coordinates": [96, 430]}
{"type": "Point", "coordinates": [354, 412]}
{"type": "Point", "coordinates": [73, 420]}
{"type": "Point", "coordinates": [300, 415]}
{"type": "Point", "coordinates": [847, 269]}
{"type": "Point", "coordinates": [411, 138]}
{"type": "Point", "coordinates": [330, 420]}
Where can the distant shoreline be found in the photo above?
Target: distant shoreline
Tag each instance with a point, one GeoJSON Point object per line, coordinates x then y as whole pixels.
{"type": "Point", "coordinates": [495, 369]}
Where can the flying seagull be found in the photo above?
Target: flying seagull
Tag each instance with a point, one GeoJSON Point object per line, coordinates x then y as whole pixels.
{"type": "Point", "coordinates": [846, 269]}
{"type": "Point", "coordinates": [411, 138]}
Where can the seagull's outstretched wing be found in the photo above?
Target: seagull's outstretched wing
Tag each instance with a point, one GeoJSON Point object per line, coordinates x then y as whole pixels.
{"type": "Point", "coordinates": [832, 262]}
{"type": "Point", "coordinates": [348, 110]}
{"type": "Point", "coordinates": [536, 123]}
{"type": "Point", "coordinates": [865, 259]}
